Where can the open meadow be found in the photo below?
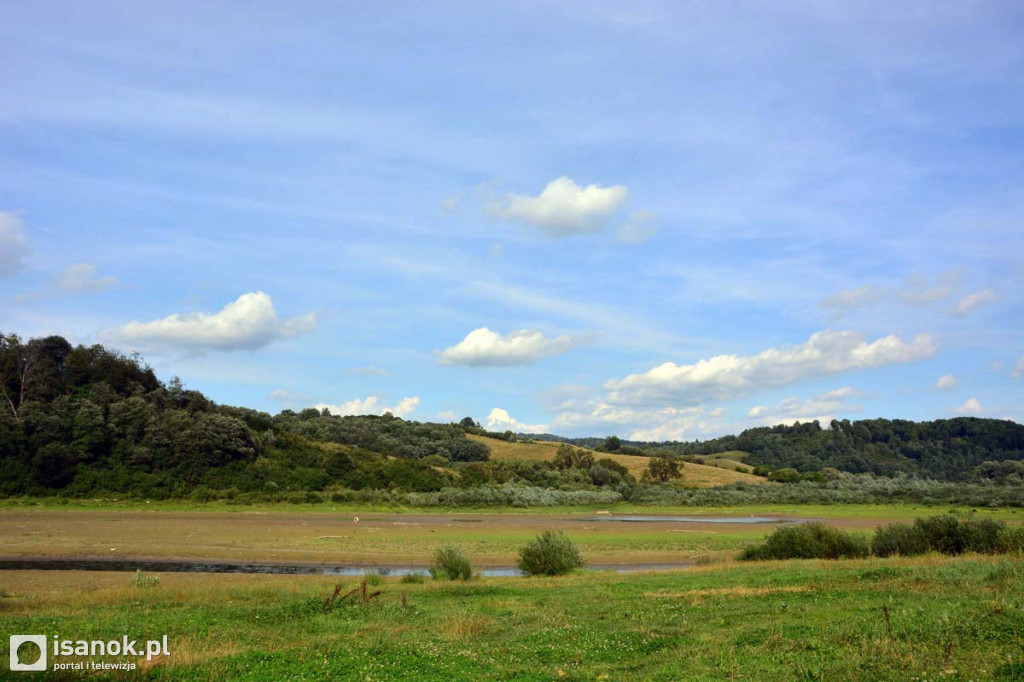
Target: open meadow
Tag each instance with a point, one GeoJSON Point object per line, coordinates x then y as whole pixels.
{"type": "Point", "coordinates": [930, 617]}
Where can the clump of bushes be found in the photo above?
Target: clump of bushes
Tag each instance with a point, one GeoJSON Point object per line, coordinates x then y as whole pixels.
{"type": "Point", "coordinates": [550, 553]}
{"type": "Point", "coordinates": [451, 563]}
{"type": "Point", "coordinates": [947, 534]}
{"type": "Point", "coordinates": [808, 541]}
{"type": "Point", "coordinates": [899, 539]}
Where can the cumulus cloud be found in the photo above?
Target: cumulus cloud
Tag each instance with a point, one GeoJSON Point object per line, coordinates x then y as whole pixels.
{"type": "Point", "coordinates": [971, 406]}
{"type": "Point", "coordinates": [728, 376]}
{"type": "Point", "coordinates": [247, 323]}
{"type": "Point", "coordinates": [972, 301]}
{"type": "Point", "coordinates": [823, 408]}
{"type": "Point", "coordinates": [636, 423]}
{"type": "Point", "coordinates": [946, 382]}
{"type": "Point", "coordinates": [483, 347]}
{"type": "Point", "coordinates": [563, 208]}
{"type": "Point", "coordinates": [642, 225]}
{"type": "Point", "coordinates": [13, 243]}
{"type": "Point", "coordinates": [79, 278]}
{"type": "Point", "coordinates": [501, 420]}
{"type": "Point", "coordinates": [371, 405]}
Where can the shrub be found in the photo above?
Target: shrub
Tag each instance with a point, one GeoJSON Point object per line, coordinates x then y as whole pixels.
{"type": "Point", "coordinates": [786, 475]}
{"type": "Point", "coordinates": [808, 541]}
{"type": "Point", "coordinates": [1011, 540]}
{"type": "Point", "coordinates": [450, 563]}
{"type": "Point", "coordinates": [951, 534]}
{"type": "Point", "coordinates": [899, 539]}
{"type": "Point", "coordinates": [550, 553]}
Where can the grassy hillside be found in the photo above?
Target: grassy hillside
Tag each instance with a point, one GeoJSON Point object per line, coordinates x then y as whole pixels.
{"type": "Point", "coordinates": [731, 459]}
{"type": "Point", "coordinates": [694, 475]}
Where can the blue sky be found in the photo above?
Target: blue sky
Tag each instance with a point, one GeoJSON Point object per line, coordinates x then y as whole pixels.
{"type": "Point", "coordinates": [659, 220]}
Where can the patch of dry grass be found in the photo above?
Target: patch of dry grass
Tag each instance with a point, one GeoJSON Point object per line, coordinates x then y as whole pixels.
{"type": "Point", "coordinates": [694, 475]}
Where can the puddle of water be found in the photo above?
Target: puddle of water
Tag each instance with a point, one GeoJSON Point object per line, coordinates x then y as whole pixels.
{"type": "Point", "coordinates": [157, 566]}
{"type": "Point", "coordinates": [691, 519]}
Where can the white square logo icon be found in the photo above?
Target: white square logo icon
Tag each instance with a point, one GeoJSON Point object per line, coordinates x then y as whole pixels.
{"type": "Point", "coordinates": [16, 643]}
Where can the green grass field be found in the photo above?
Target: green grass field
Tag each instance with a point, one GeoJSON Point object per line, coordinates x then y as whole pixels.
{"type": "Point", "coordinates": [924, 619]}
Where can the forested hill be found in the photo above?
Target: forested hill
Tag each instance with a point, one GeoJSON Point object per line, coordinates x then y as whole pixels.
{"type": "Point", "coordinates": [87, 420]}
{"type": "Point", "coordinates": [947, 449]}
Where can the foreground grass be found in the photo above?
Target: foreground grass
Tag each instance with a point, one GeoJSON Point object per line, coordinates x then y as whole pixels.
{"type": "Point", "coordinates": [951, 619]}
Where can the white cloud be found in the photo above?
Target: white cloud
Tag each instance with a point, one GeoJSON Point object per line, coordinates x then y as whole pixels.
{"type": "Point", "coordinates": [971, 406]}
{"type": "Point", "coordinates": [247, 323]}
{"type": "Point", "coordinates": [501, 420]}
{"type": "Point", "coordinates": [919, 291]}
{"type": "Point", "coordinates": [642, 226]}
{"type": "Point", "coordinates": [450, 204]}
{"type": "Point", "coordinates": [913, 291]}
{"type": "Point", "coordinates": [563, 208]}
{"type": "Point", "coordinates": [853, 298]}
{"type": "Point", "coordinates": [13, 243]}
{"type": "Point", "coordinates": [369, 405]}
{"type": "Point", "coordinates": [945, 382]}
{"type": "Point", "coordinates": [727, 376]}
{"type": "Point", "coordinates": [448, 416]}
{"type": "Point", "coordinates": [483, 347]}
{"type": "Point", "coordinates": [824, 408]}
{"type": "Point", "coordinates": [972, 301]}
{"type": "Point", "coordinates": [1018, 371]}
{"type": "Point", "coordinates": [80, 278]}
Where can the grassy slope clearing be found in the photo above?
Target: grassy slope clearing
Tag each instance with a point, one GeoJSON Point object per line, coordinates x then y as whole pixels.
{"type": "Point", "coordinates": [694, 475]}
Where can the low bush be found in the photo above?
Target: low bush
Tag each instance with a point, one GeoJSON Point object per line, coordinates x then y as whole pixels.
{"type": "Point", "coordinates": [1011, 540]}
{"type": "Point", "coordinates": [808, 541]}
{"type": "Point", "coordinates": [450, 563]}
{"type": "Point", "coordinates": [951, 534]}
{"type": "Point", "coordinates": [900, 539]}
{"type": "Point", "coordinates": [550, 553]}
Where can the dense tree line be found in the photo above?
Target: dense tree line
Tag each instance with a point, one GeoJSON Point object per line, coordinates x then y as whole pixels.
{"type": "Point", "coordinates": [960, 449]}
{"type": "Point", "coordinates": [85, 420]}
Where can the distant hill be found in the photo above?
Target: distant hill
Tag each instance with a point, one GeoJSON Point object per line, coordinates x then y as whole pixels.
{"type": "Point", "coordinates": [694, 475]}
{"type": "Point", "coordinates": [946, 449]}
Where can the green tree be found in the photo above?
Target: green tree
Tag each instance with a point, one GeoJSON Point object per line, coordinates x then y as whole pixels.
{"type": "Point", "coordinates": [664, 468]}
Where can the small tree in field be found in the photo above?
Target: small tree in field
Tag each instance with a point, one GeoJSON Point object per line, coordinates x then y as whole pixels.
{"type": "Point", "coordinates": [663, 468]}
{"type": "Point", "coordinates": [569, 457]}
